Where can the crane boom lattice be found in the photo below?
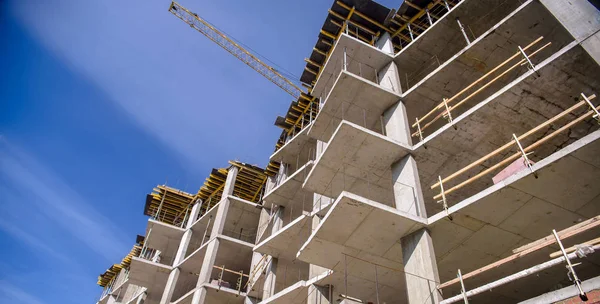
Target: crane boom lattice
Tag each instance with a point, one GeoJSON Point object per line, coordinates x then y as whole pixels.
{"type": "Point", "coordinates": [235, 49]}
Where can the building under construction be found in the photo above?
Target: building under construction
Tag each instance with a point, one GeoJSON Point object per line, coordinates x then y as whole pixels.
{"type": "Point", "coordinates": [446, 151]}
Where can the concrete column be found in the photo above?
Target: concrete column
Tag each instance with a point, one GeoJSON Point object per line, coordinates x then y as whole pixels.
{"type": "Point", "coordinates": [111, 299]}
{"type": "Point", "coordinates": [170, 286]}
{"type": "Point", "coordinates": [270, 279]}
{"type": "Point", "coordinates": [581, 19]}
{"type": "Point", "coordinates": [141, 298]}
{"type": "Point", "coordinates": [213, 245]}
{"type": "Point", "coordinates": [317, 294]}
{"type": "Point", "coordinates": [205, 272]}
{"type": "Point", "coordinates": [408, 196]}
{"type": "Point", "coordinates": [421, 272]}
{"type": "Point", "coordinates": [194, 214]}
{"type": "Point", "coordinates": [271, 271]}
{"type": "Point", "coordinates": [384, 43]}
{"type": "Point", "coordinates": [417, 248]}
{"type": "Point", "coordinates": [396, 124]}
{"type": "Point", "coordinates": [389, 78]}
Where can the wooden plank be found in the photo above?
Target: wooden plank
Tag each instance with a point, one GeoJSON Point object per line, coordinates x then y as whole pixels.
{"type": "Point", "coordinates": [593, 242]}
{"type": "Point", "coordinates": [540, 244]}
{"type": "Point", "coordinates": [560, 234]}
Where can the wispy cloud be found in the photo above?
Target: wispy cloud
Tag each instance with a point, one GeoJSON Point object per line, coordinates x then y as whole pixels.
{"type": "Point", "coordinates": [32, 241]}
{"type": "Point", "coordinates": [12, 294]}
{"type": "Point", "coordinates": [49, 196]}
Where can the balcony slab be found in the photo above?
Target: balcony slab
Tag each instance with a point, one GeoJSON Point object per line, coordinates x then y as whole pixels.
{"type": "Point", "coordinates": [353, 99]}
{"type": "Point", "coordinates": [287, 241]}
{"type": "Point", "coordinates": [295, 148]}
{"type": "Point", "coordinates": [289, 192]}
{"type": "Point", "coordinates": [357, 51]}
{"type": "Point", "coordinates": [357, 160]}
{"type": "Point", "coordinates": [356, 224]}
{"type": "Point", "coordinates": [150, 275]}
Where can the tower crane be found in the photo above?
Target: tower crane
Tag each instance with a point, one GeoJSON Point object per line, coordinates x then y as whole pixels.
{"type": "Point", "coordinates": [235, 49]}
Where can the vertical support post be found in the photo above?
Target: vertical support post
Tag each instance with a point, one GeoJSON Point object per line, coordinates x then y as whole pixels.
{"type": "Point", "coordinates": [447, 114]}
{"type": "Point", "coordinates": [412, 37]}
{"type": "Point", "coordinates": [462, 29]}
{"type": "Point", "coordinates": [462, 288]}
{"type": "Point", "coordinates": [446, 4]}
{"type": "Point", "coordinates": [429, 17]}
{"type": "Point", "coordinates": [443, 201]}
{"type": "Point", "coordinates": [573, 275]}
{"type": "Point", "coordinates": [597, 115]}
{"type": "Point", "coordinates": [345, 60]}
{"type": "Point", "coordinates": [524, 155]}
{"type": "Point", "coordinates": [526, 57]}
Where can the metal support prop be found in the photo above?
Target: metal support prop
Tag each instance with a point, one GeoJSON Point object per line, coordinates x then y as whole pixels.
{"type": "Point", "coordinates": [345, 276]}
{"type": "Point", "coordinates": [526, 58]}
{"type": "Point", "coordinates": [447, 114]}
{"type": "Point", "coordinates": [462, 287]}
{"type": "Point", "coordinates": [524, 155]}
{"type": "Point", "coordinates": [376, 285]}
{"type": "Point", "coordinates": [595, 116]}
{"type": "Point", "coordinates": [446, 4]}
{"type": "Point", "coordinates": [443, 201]}
{"type": "Point", "coordinates": [571, 271]}
{"type": "Point", "coordinates": [239, 283]}
{"type": "Point", "coordinates": [160, 205]}
{"type": "Point", "coordinates": [345, 60]}
{"type": "Point", "coordinates": [429, 17]}
{"type": "Point", "coordinates": [462, 29]}
{"type": "Point", "coordinates": [221, 276]}
{"type": "Point", "coordinates": [205, 231]}
{"type": "Point", "coordinates": [419, 129]}
{"type": "Point", "coordinates": [410, 32]}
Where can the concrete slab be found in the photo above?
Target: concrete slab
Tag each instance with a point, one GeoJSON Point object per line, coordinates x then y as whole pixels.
{"type": "Point", "coordinates": [150, 275]}
{"type": "Point", "coordinates": [287, 241]}
{"type": "Point", "coordinates": [298, 149]}
{"type": "Point", "coordinates": [193, 262]}
{"type": "Point", "coordinates": [516, 211]}
{"type": "Point", "coordinates": [357, 51]}
{"type": "Point", "coordinates": [389, 287]}
{"type": "Point", "coordinates": [357, 160]}
{"type": "Point", "coordinates": [444, 39]}
{"type": "Point", "coordinates": [297, 292]}
{"type": "Point", "coordinates": [163, 237]}
{"type": "Point", "coordinates": [361, 225]}
{"type": "Point", "coordinates": [216, 294]}
{"type": "Point", "coordinates": [289, 192]}
{"type": "Point", "coordinates": [242, 219]}
{"type": "Point", "coordinates": [522, 26]}
{"type": "Point", "coordinates": [491, 123]}
{"type": "Point", "coordinates": [353, 99]}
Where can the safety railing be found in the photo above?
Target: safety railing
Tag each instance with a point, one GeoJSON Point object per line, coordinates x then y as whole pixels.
{"type": "Point", "coordinates": [247, 235]}
{"type": "Point", "coordinates": [448, 107]}
{"type": "Point", "coordinates": [470, 30]}
{"type": "Point", "coordinates": [561, 257]}
{"type": "Point", "coordinates": [133, 295]}
{"type": "Point", "coordinates": [352, 65]}
{"type": "Point", "coordinates": [288, 277]}
{"type": "Point", "coordinates": [517, 144]}
{"type": "Point", "coordinates": [222, 277]}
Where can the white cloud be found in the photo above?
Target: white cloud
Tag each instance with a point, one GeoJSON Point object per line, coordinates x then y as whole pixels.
{"type": "Point", "coordinates": [49, 195]}
{"type": "Point", "coordinates": [12, 294]}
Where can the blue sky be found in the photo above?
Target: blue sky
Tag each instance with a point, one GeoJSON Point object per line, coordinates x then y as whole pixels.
{"type": "Point", "coordinates": [102, 100]}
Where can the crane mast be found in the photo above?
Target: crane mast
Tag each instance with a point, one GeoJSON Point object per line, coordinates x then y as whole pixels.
{"type": "Point", "coordinates": [235, 49]}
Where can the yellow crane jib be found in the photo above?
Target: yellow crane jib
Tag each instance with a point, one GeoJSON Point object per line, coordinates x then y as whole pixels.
{"type": "Point", "coordinates": [235, 49]}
